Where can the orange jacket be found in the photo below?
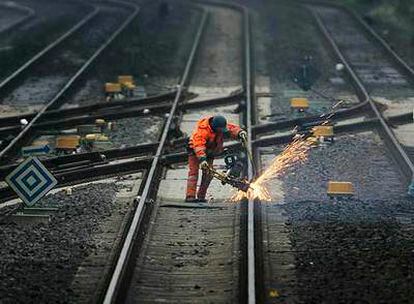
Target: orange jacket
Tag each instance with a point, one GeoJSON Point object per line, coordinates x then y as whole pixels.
{"type": "Point", "coordinates": [204, 141]}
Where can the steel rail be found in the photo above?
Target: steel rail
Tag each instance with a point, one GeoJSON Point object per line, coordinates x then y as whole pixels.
{"type": "Point", "coordinates": [54, 163]}
{"type": "Point", "coordinates": [113, 113]}
{"type": "Point", "coordinates": [70, 160]}
{"type": "Point", "coordinates": [404, 66]}
{"type": "Point", "coordinates": [122, 262]}
{"type": "Point", "coordinates": [55, 101]}
{"type": "Point", "coordinates": [95, 168]}
{"type": "Point", "coordinates": [9, 121]}
{"type": "Point", "coordinates": [397, 151]}
{"type": "Point", "coordinates": [251, 242]}
{"type": "Point", "coordinates": [23, 68]}
{"type": "Point", "coordinates": [361, 126]}
{"type": "Point", "coordinates": [339, 114]}
{"type": "Point", "coordinates": [156, 106]}
{"type": "Point", "coordinates": [249, 253]}
{"type": "Point", "coordinates": [30, 13]}
{"type": "Point", "coordinates": [370, 31]}
{"type": "Point", "coordinates": [132, 151]}
{"type": "Point", "coordinates": [85, 173]}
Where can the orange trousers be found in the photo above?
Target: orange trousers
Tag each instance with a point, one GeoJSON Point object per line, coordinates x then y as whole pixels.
{"type": "Point", "coordinates": [206, 178]}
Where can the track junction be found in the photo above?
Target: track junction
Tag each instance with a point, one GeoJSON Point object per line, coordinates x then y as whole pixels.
{"type": "Point", "coordinates": [301, 247]}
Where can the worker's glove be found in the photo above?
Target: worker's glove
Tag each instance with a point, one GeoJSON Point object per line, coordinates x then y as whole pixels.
{"type": "Point", "coordinates": [204, 165]}
{"type": "Point", "coordinates": [243, 135]}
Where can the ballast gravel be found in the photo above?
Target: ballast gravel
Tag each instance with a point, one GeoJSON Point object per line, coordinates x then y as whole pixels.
{"type": "Point", "coordinates": [38, 262]}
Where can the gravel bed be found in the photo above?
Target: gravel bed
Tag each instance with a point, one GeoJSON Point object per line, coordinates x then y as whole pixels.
{"type": "Point", "coordinates": [35, 91]}
{"type": "Point", "coordinates": [289, 41]}
{"type": "Point", "coordinates": [359, 249]}
{"type": "Point", "coordinates": [358, 158]}
{"type": "Point", "coordinates": [38, 262]}
{"type": "Point", "coordinates": [91, 92]}
{"type": "Point", "coordinates": [134, 131]}
{"type": "Point", "coordinates": [353, 251]}
{"type": "Point", "coordinates": [126, 133]}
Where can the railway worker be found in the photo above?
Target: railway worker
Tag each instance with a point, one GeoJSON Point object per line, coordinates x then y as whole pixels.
{"type": "Point", "coordinates": [206, 142]}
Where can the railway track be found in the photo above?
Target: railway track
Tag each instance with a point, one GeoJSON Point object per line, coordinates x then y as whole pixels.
{"type": "Point", "coordinates": [371, 79]}
{"type": "Point", "coordinates": [8, 80]}
{"type": "Point", "coordinates": [97, 165]}
{"type": "Point", "coordinates": [14, 16]}
{"type": "Point", "coordinates": [61, 119]}
{"type": "Point", "coordinates": [273, 260]}
{"type": "Point", "coordinates": [22, 41]}
{"type": "Point", "coordinates": [181, 259]}
{"type": "Point", "coordinates": [313, 246]}
{"type": "Point", "coordinates": [106, 191]}
{"type": "Point", "coordinates": [147, 189]}
{"type": "Point", "coordinates": [99, 40]}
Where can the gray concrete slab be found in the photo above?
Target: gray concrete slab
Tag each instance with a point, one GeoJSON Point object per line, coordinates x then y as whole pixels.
{"type": "Point", "coordinates": [405, 134]}
{"type": "Point", "coordinates": [396, 106]}
{"type": "Point", "coordinates": [173, 187]}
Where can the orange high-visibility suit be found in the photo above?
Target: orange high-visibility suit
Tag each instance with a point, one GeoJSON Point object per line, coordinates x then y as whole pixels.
{"type": "Point", "coordinates": [204, 145]}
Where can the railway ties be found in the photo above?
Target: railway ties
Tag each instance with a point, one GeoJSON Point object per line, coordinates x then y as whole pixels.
{"type": "Point", "coordinates": [122, 265]}
{"type": "Point", "coordinates": [192, 249]}
{"type": "Point", "coordinates": [386, 77]}
{"type": "Point", "coordinates": [96, 165]}
{"type": "Point", "coordinates": [41, 26]}
{"type": "Point", "coordinates": [254, 251]}
{"type": "Point", "coordinates": [309, 238]}
{"type": "Point", "coordinates": [63, 80]}
{"type": "Point", "coordinates": [397, 94]}
{"type": "Point", "coordinates": [155, 105]}
{"type": "Point", "coordinates": [106, 190]}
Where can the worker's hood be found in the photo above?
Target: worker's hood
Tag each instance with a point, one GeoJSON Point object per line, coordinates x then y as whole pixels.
{"type": "Point", "coordinates": [205, 124]}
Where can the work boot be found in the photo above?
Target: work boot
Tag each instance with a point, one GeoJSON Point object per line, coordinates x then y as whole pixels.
{"type": "Point", "coordinates": [190, 199]}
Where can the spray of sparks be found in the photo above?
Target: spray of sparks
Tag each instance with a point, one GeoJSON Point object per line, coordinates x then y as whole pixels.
{"type": "Point", "coordinates": [295, 153]}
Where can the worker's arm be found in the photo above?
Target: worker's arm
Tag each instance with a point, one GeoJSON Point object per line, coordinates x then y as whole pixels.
{"type": "Point", "coordinates": [234, 130]}
{"type": "Point", "coordinates": [199, 144]}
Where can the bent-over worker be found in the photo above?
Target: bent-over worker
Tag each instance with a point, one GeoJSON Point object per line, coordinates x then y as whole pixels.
{"type": "Point", "coordinates": [206, 142]}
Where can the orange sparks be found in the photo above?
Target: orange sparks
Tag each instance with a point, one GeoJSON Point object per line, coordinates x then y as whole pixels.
{"type": "Point", "coordinates": [296, 152]}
